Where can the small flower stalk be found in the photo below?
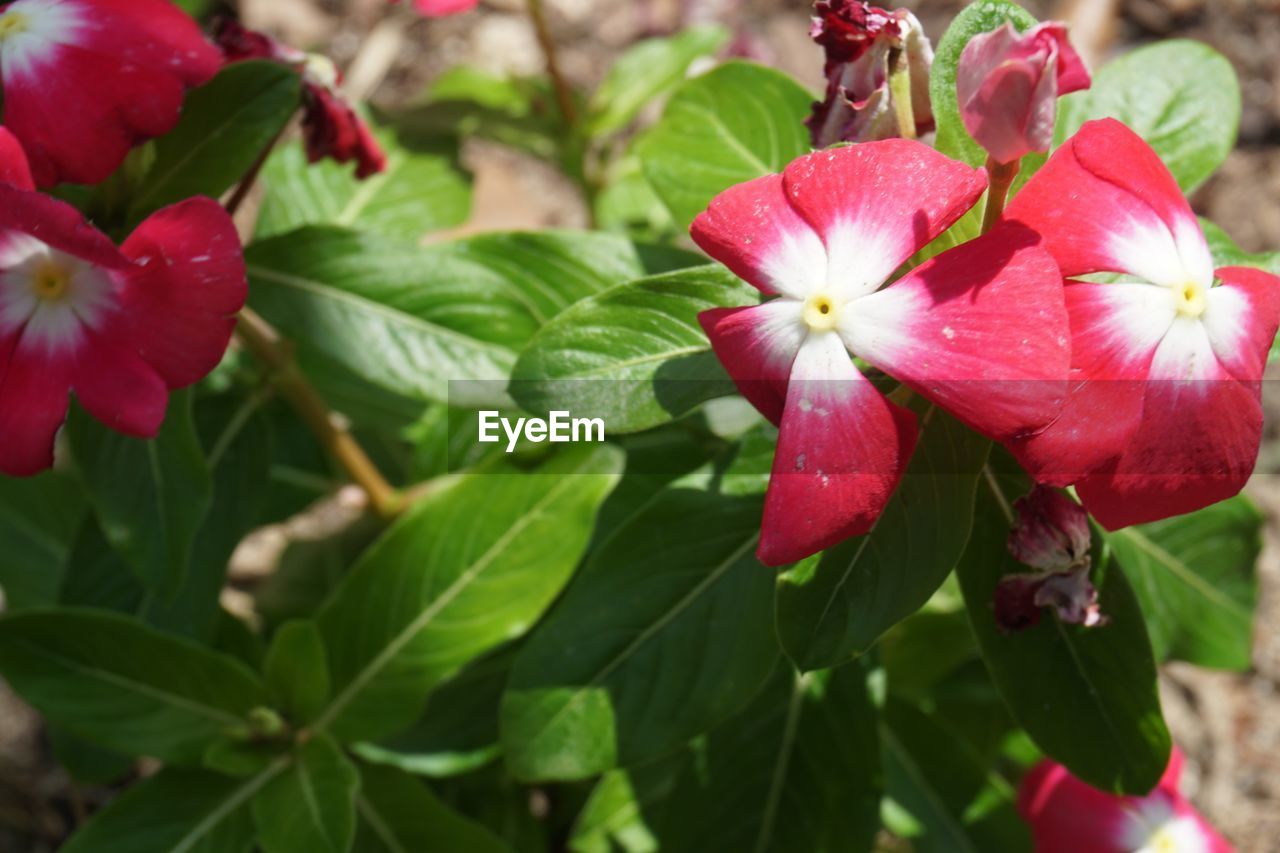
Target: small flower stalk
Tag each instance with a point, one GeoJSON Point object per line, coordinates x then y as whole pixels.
{"type": "Point", "coordinates": [1008, 84]}
{"type": "Point", "coordinates": [1052, 536]}
{"type": "Point", "coordinates": [877, 69]}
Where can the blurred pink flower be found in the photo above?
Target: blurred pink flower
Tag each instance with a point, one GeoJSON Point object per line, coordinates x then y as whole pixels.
{"type": "Point", "coordinates": [441, 8]}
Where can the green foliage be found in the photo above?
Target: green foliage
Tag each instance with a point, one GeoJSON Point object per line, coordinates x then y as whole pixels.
{"type": "Point", "coordinates": [737, 122]}
{"type": "Point", "coordinates": [633, 355]}
{"type": "Point", "coordinates": [310, 806]}
{"type": "Point", "coordinates": [1086, 696]}
{"type": "Point", "coordinates": [397, 813]}
{"type": "Point", "coordinates": [125, 686]}
{"type": "Point", "coordinates": [1182, 97]}
{"type": "Point", "coordinates": [836, 605]}
{"type": "Point", "coordinates": [656, 640]}
{"type": "Point", "coordinates": [225, 127]}
{"type": "Point", "coordinates": [1195, 579]}
{"type": "Point", "coordinates": [38, 518]}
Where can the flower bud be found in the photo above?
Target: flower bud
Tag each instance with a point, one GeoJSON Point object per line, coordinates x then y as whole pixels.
{"type": "Point", "coordinates": [1008, 85]}
{"type": "Point", "coordinates": [1052, 531]}
{"type": "Point", "coordinates": [860, 41]}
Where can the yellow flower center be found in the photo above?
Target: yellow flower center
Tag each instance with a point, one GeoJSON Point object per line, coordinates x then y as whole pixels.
{"type": "Point", "coordinates": [51, 281]}
{"type": "Point", "coordinates": [1191, 299]}
{"type": "Point", "coordinates": [821, 312]}
{"type": "Point", "coordinates": [12, 24]}
{"type": "Point", "coordinates": [1163, 842]}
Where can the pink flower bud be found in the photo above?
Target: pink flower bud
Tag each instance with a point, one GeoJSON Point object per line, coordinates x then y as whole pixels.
{"type": "Point", "coordinates": [1008, 85]}
{"type": "Point", "coordinates": [859, 39]}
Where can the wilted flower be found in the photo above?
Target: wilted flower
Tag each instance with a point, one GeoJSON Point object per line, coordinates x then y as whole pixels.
{"type": "Point", "coordinates": [1069, 816]}
{"type": "Point", "coordinates": [118, 327]}
{"type": "Point", "coordinates": [331, 127]}
{"type": "Point", "coordinates": [1051, 534]}
{"type": "Point", "coordinates": [86, 80]}
{"type": "Point", "coordinates": [860, 41]}
{"type": "Point", "coordinates": [1165, 415]}
{"type": "Point", "coordinates": [824, 237]}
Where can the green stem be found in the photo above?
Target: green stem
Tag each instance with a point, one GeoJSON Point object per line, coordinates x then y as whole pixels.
{"type": "Point", "coordinates": [900, 94]}
{"type": "Point", "coordinates": [1000, 178]}
{"type": "Point", "coordinates": [564, 94]}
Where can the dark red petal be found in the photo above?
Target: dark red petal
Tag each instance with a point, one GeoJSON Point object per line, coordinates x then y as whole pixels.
{"type": "Point", "coordinates": [185, 287]}
{"type": "Point", "coordinates": [118, 388]}
{"type": "Point", "coordinates": [14, 168]}
{"type": "Point", "coordinates": [57, 224]}
{"type": "Point", "coordinates": [842, 449]}
{"type": "Point", "coordinates": [34, 389]}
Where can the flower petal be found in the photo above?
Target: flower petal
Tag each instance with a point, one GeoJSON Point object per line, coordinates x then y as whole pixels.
{"type": "Point", "coordinates": [14, 168]}
{"type": "Point", "coordinates": [1241, 317]}
{"type": "Point", "coordinates": [1106, 203]}
{"type": "Point", "coordinates": [118, 388]}
{"type": "Point", "coordinates": [1068, 816]}
{"type": "Point", "coordinates": [186, 285]}
{"type": "Point", "coordinates": [1196, 444]}
{"type": "Point", "coordinates": [875, 204]}
{"type": "Point", "coordinates": [152, 34]}
{"type": "Point", "coordinates": [1115, 329]}
{"type": "Point", "coordinates": [752, 229]}
{"type": "Point", "coordinates": [56, 223]}
{"type": "Point", "coordinates": [980, 330]}
{"type": "Point", "coordinates": [34, 386]}
{"type": "Point", "coordinates": [758, 345]}
{"type": "Point", "coordinates": [841, 452]}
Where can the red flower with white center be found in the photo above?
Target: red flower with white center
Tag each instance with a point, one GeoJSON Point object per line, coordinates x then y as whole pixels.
{"type": "Point", "coordinates": [86, 80]}
{"type": "Point", "coordinates": [859, 40]}
{"type": "Point", "coordinates": [1008, 84]}
{"type": "Point", "coordinates": [980, 329]}
{"type": "Point", "coordinates": [118, 327]}
{"type": "Point", "coordinates": [1069, 816]}
{"type": "Point", "coordinates": [331, 126]}
{"type": "Point", "coordinates": [1164, 415]}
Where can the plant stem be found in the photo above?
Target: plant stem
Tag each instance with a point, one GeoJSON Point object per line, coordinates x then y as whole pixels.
{"type": "Point", "coordinates": [273, 351]}
{"type": "Point", "coordinates": [1000, 177]}
{"type": "Point", "coordinates": [251, 177]}
{"type": "Point", "coordinates": [900, 94]}
{"type": "Point", "coordinates": [564, 94]}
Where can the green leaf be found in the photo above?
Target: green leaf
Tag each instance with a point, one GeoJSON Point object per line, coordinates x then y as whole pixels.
{"type": "Point", "coordinates": [1086, 696]}
{"type": "Point", "coordinates": [647, 70]}
{"type": "Point", "coordinates": [1194, 576]}
{"type": "Point", "coordinates": [735, 123]}
{"type": "Point", "coordinates": [310, 807]}
{"type": "Point", "coordinates": [837, 605]}
{"type": "Point", "coordinates": [398, 814]}
{"type": "Point", "coordinates": [149, 496]}
{"type": "Point", "coordinates": [424, 188]}
{"type": "Point", "coordinates": [467, 569]}
{"type": "Point", "coordinates": [799, 769]}
{"type": "Point", "coordinates": [663, 634]}
{"type": "Point", "coordinates": [456, 311]}
{"type": "Point", "coordinates": [942, 795]}
{"type": "Point", "coordinates": [297, 673]}
{"type": "Point", "coordinates": [225, 127]}
{"type": "Point", "coordinates": [1227, 254]}
{"type": "Point", "coordinates": [635, 355]}
{"type": "Point", "coordinates": [1182, 97]}
{"type": "Point", "coordinates": [622, 806]}
{"type": "Point", "coordinates": [975, 19]}
{"type": "Point", "coordinates": [124, 686]}
{"type": "Point", "coordinates": [457, 732]}
{"type": "Point", "coordinates": [39, 518]}
{"type": "Point", "coordinates": [176, 811]}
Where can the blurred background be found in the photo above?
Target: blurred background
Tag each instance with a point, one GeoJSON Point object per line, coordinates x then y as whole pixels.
{"type": "Point", "coordinates": [1228, 723]}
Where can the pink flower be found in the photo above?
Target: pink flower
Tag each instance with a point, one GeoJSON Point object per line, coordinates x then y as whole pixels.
{"type": "Point", "coordinates": [86, 80]}
{"type": "Point", "coordinates": [331, 126]}
{"type": "Point", "coordinates": [441, 8]}
{"type": "Point", "coordinates": [859, 39]}
{"type": "Point", "coordinates": [118, 327]}
{"type": "Point", "coordinates": [1164, 415]}
{"type": "Point", "coordinates": [1008, 85]}
{"type": "Point", "coordinates": [1069, 816]}
{"type": "Point", "coordinates": [980, 329]}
